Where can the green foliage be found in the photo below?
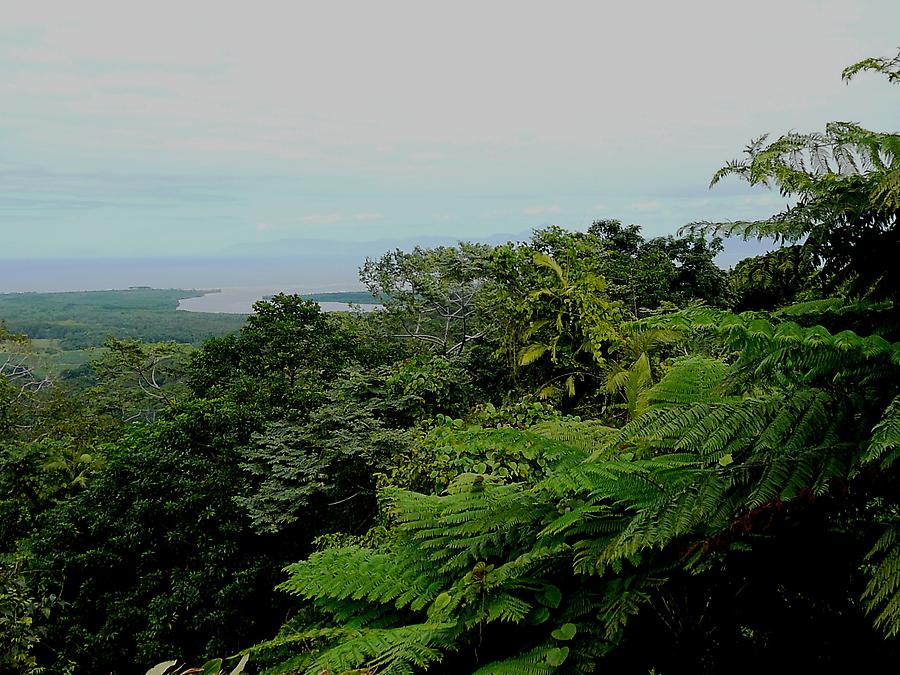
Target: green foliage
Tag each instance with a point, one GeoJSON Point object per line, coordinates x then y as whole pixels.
{"type": "Point", "coordinates": [745, 516]}
{"type": "Point", "coordinates": [688, 475]}
{"type": "Point", "coordinates": [522, 413]}
{"type": "Point", "coordinates": [574, 315]}
{"type": "Point", "coordinates": [153, 557]}
{"type": "Point", "coordinates": [633, 384]}
{"type": "Point", "coordinates": [889, 67]}
{"type": "Point", "coordinates": [281, 359]}
{"type": "Point", "coordinates": [884, 448]}
{"type": "Point", "coordinates": [433, 383]}
{"type": "Point", "coordinates": [20, 633]}
{"type": "Point", "coordinates": [882, 594]}
{"type": "Point", "coordinates": [847, 199]}
{"type": "Point", "coordinates": [773, 280]}
{"type": "Point", "coordinates": [453, 448]}
{"type": "Point", "coordinates": [138, 379]}
{"type": "Point", "coordinates": [86, 319]}
{"type": "Point", "coordinates": [283, 333]}
{"type": "Point", "coordinates": [727, 494]}
{"type": "Point", "coordinates": [644, 274]}
{"type": "Point", "coordinates": [430, 294]}
{"type": "Point", "coordinates": [570, 321]}
{"type": "Point", "coordinates": [319, 476]}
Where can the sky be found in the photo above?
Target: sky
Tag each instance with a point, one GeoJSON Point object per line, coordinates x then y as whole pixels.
{"type": "Point", "coordinates": [189, 128]}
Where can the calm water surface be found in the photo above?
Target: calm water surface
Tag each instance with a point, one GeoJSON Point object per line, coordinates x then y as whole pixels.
{"type": "Point", "coordinates": [240, 300]}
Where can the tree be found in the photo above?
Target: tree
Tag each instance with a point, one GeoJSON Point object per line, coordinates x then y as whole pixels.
{"type": "Point", "coordinates": [288, 336]}
{"type": "Point", "coordinates": [138, 379]}
{"type": "Point", "coordinates": [571, 322]}
{"type": "Point", "coordinates": [154, 558]}
{"type": "Point", "coordinates": [283, 358]}
{"type": "Point", "coordinates": [773, 280]}
{"type": "Point", "coordinates": [20, 382]}
{"type": "Point", "coordinates": [431, 294]}
{"type": "Point", "coordinates": [747, 520]}
{"type": "Point", "coordinates": [646, 274]}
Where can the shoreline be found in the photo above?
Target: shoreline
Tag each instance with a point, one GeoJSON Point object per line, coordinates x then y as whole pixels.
{"type": "Point", "coordinates": [240, 300]}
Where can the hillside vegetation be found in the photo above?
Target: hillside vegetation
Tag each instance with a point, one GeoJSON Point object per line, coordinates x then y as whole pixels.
{"type": "Point", "coordinates": [86, 318]}
{"type": "Point", "coordinates": [587, 452]}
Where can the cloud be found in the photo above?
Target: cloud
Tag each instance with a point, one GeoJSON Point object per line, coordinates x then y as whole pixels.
{"type": "Point", "coordinates": [650, 205]}
{"type": "Point", "coordinates": [541, 210]}
{"type": "Point", "coordinates": [361, 217]}
{"type": "Point", "coordinates": [263, 227]}
{"type": "Point", "coordinates": [308, 113]}
{"type": "Point", "coordinates": [100, 55]}
{"type": "Point", "coordinates": [337, 218]}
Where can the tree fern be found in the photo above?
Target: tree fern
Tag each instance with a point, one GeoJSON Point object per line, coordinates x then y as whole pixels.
{"type": "Point", "coordinates": [786, 420]}
{"type": "Point", "coordinates": [882, 594]}
{"type": "Point", "coordinates": [398, 651]}
{"type": "Point", "coordinates": [544, 660]}
{"type": "Point", "coordinates": [691, 380]}
{"type": "Point", "coordinates": [884, 448]}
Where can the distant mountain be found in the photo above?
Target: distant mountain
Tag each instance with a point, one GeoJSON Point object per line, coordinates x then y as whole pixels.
{"type": "Point", "coordinates": [311, 265]}
{"type": "Point", "coordinates": [298, 248]}
{"type": "Point", "coordinates": [301, 248]}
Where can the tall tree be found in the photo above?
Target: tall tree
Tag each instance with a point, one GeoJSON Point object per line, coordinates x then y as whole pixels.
{"type": "Point", "coordinates": [748, 519]}
{"type": "Point", "coordinates": [431, 293]}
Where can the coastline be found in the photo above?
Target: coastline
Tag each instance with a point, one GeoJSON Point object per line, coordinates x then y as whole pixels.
{"type": "Point", "coordinates": [239, 300]}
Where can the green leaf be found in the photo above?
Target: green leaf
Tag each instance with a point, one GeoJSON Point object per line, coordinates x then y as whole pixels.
{"type": "Point", "coordinates": [239, 668]}
{"type": "Point", "coordinates": [442, 600]}
{"type": "Point", "coordinates": [548, 391]}
{"type": "Point", "coordinates": [539, 616]}
{"type": "Point", "coordinates": [726, 459]}
{"type": "Point", "coordinates": [565, 632]}
{"type": "Point", "coordinates": [161, 668]}
{"type": "Point", "coordinates": [531, 353]}
{"type": "Point", "coordinates": [550, 596]}
{"type": "Point", "coordinates": [212, 667]}
{"type": "Point", "coordinates": [557, 656]}
{"type": "Point", "coordinates": [544, 260]}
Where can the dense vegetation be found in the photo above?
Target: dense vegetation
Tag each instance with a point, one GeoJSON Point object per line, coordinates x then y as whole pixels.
{"type": "Point", "coordinates": [588, 451]}
{"type": "Point", "coordinates": [66, 328]}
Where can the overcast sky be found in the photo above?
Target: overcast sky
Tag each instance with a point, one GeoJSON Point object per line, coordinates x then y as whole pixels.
{"type": "Point", "coordinates": [131, 128]}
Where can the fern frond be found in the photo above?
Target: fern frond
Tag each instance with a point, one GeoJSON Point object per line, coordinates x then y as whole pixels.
{"type": "Point", "coordinates": [884, 448]}
{"type": "Point", "coordinates": [623, 598]}
{"type": "Point", "coordinates": [544, 660]}
{"type": "Point", "coordinates": [692, 380]}
{"type": "Point", "coordinates": [355, 573]}
{"type": "Point", "coordinates": [532, 353]}
{"type": "Point", "coordinates": [506, 607]}
{"type": "Point", "coordinates": [882, 594]}
{"type": "Point", "coordinates": [386, 650]}
{"type": "Point", "coordinates": [890, 67]}
{"type": "Point", "coordinates": [581, 436]}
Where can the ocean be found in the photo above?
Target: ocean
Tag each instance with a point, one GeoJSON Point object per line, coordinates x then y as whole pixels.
{"type": "Point", "coordinates": [317, 274]}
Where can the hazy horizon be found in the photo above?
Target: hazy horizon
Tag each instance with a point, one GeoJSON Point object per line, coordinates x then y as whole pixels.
{"type": "Point", "coordinates": [311, 273]}
{"type": "Point", "coordinates": [179, 129]}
